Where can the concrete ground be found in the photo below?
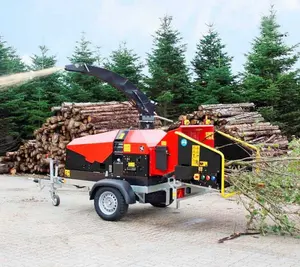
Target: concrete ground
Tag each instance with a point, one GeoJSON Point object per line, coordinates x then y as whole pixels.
{"type": "Point", "coordinates": [35, 233]}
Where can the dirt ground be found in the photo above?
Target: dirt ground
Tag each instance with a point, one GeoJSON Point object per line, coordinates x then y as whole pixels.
{"type": "Point", "coordinates": [35, 233]}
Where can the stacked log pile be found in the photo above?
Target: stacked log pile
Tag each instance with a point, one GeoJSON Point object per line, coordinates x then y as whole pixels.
{"type": "Point", "coordinates": [70, 120]}
{"type": "Point", "coordinates": [241, 121]}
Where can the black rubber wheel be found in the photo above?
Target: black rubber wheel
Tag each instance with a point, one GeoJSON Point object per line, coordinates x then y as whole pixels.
{"type": "Point", "coordinates": [110, 204]}
{"type": "Point", "coordinates": [160, 205]}
{"type": "Point", "coordinates": [55, 200]}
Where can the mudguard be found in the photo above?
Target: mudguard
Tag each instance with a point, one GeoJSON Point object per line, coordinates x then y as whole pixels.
{"type": "Point", "coordinates": [123, 186]}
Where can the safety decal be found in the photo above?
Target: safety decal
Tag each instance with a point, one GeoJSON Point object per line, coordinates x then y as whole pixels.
{"type": "Point", "coordinates": [195, 155]}
{"type": "Point", "coordinates": [183, 142]}
{"type": "Point", "coordinates": [127, 147]}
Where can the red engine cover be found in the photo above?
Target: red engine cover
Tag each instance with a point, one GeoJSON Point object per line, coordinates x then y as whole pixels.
{"type": "Point", "coordinates": [96, 147]}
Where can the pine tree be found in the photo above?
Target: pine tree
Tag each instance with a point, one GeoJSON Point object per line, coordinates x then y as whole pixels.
{"type": "Point", "coordinates": [29, 105]}
{"type": "Point", "coordinates": [269, 79]}
{"type": "Point", "coordinates": [210, 54]}
{"type": "Point", "coordinates": [52, 86]}
{"type": "Point", "coordinates": [126, 63]}
{"type": "Point", "coordinates": [168, 83]}
{"type": "Point", "coordinates": [214, 82]}
{"type": "Point", "coordinates": [10, 62]}
{"type": "Point", "coordinates": [80, 87]}
{"type": "Point", "coordinates": [43, 61]}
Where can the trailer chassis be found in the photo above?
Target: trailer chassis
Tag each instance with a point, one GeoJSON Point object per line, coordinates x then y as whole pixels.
{"type": "Point", "coordinates": [180, 190]}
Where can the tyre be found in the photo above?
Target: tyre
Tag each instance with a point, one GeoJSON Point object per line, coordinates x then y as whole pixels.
{"type": "Point", "coordinates": [55, 200]}
{"type": "Point", "coordinates": [110, 204]}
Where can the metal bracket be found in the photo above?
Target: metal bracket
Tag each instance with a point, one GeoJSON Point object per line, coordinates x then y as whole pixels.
{"type": "Point", "coordinates": [54, 182]}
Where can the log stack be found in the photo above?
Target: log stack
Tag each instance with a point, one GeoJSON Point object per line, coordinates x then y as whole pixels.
{"type": "Point", "coordinates": [241, 121]}
{"type": "Point", "coordinates": [70, 120]}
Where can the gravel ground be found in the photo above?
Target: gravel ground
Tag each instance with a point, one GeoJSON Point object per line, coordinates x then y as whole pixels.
{"type": "Point", "coordinates": [35, 233]}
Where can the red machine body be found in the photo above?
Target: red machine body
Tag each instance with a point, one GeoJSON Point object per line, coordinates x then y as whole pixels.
{"type": "Point", "coordinates": [202, 133]}
{"type": "Point", "coordinates": [94, 148]}
{"type": "Point", "coordinates": [101, 148]}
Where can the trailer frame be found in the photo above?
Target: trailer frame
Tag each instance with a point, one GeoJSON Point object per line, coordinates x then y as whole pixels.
{"type": "Point", "coordinates": [180, 190]}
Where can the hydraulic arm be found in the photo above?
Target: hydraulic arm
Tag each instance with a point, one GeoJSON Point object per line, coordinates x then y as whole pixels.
{"type": "Point", "coordinates": [145, 106]}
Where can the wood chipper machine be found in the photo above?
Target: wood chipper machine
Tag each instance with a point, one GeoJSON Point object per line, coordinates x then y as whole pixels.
{"type": "Point", "coordinates": [147, 165]}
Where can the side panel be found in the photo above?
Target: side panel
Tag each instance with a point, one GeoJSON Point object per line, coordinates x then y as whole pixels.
{"type": "Point", "coordinates": [231, 148]}
{"type": "Point", "coordinates": [93, 152]}
{"type": "Point", "coordinates": [76, 161]}
{"type": "Point", "coordinates": [170, 142]}
{"type": "Point", "coordinates": [77, 167]}
{"type": "Point", "coordinates": [135, 165]}
{"type": "Point", "coordinates": [202, 133]}
{"type": "Point", "coordinates": [199, 164]}
{"type": "Point", "coordinates": [135, 148]}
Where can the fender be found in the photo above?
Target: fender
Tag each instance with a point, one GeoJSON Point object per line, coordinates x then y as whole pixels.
{"type": "Point", "coordinates": [122, 185]}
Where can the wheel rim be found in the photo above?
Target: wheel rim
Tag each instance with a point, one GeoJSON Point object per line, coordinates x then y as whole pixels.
{"type": "Point", "coordinates": [54, 200]}
{"type": "Point", "coordinates": [108, 203]}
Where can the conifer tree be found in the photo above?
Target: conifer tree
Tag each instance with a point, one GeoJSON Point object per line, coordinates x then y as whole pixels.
{"type": "Point", "coordinates": [214, 82]}
{"type": "Point", "coordinates": [29, 105]}
{"type": "Point", "coordinates": [80, 87]}
{"type": "Point", "coordinates": [168, 83]}
{"type": "Point", "coordinates": [126, 63]}
{"type": "Point", "coordinates": [210, 54]}
{"type": "Point", "coordinates": [270, 80]}
{"type": "Point", "coordinates": [10, 63]}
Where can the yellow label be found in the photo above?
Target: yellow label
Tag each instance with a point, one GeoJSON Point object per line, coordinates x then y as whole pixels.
{"type": "Point", "coordinates": [131, 164]}
{"type": "Point", "coordinates": [67, 173]}
{"type": "Point", "coordinates": [203, 164]}
{"type": "Point", "coordinates": [195, 155]}
{"type": "Point", "coordinates": [121, 135]}
{"type": "Point", "coordinates": [209, 136]}
{"type": "Point", "coordinates": [127, 147]}
{"type": "Point", "coordinates": [163, 143]}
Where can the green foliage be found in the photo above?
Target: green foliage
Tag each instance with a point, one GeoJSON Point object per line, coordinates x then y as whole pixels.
{"type": "Point", "coordinates": [126, 63]}
{"type": "Point", "coordinates": [83, 88]}
{"type": "Point", "coordinates": [214, 81]}
{"type": "Point", "coordinates": [168, 70]}
{"type": "Point", "coordinates": [271, 193]}
{"type": "Point", "coordinates": [10, 62]}
{"type": "Point", "coordinates": [210, 54]}
{"type": "Point", "coordinates": [42, 61]}
{"type": "Point", "coordinates": [27, 106]}
{"type": "Point", "coordinates": [269, 79]}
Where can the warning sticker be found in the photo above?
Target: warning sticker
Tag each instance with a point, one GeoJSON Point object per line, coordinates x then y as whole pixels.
{"type": "Point", "coordinates": [195, 155]}
{"type": "Point", "coordinates": [209, 135]}
{"type": "Point", "coordinates": [203, 163]}
{"type": "Point", "coordinates": [127, 148]}
{"type": "Point", "coordinates": [131, 164]}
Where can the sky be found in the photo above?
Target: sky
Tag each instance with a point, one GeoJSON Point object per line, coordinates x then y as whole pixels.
{"type": "Point", "coordinates": [58, 24]}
